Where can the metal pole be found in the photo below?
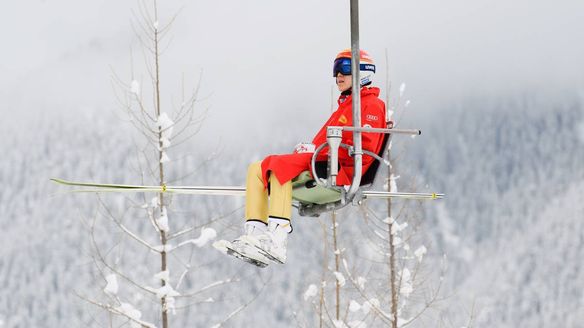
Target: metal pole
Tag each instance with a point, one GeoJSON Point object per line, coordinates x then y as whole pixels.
{"type": "Point", "coordinates": [356, 95]}
{"type": "Point", "coordinates": [413, 132]}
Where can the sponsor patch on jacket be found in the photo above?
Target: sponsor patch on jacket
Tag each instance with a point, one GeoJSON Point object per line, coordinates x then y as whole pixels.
{"type": "Point", "coordinates": [343, 119]}
{"type": "Point", "coordinates": [372, 117]}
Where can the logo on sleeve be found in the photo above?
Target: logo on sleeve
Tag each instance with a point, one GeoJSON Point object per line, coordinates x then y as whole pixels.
{"type": "Point", "coordinates": [372, 117]}
{"type": "Point", "coordinates": [343, 119]}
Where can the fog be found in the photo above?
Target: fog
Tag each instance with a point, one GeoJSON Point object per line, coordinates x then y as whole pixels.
{"type": "Point", "coordinates": [265, 64]}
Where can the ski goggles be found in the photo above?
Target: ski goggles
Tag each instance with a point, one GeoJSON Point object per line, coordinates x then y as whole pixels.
{"type": "Point", "coordinates": [343, 66]}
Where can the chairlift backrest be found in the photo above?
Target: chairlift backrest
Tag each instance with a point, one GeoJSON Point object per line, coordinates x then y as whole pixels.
{"type": "Point", "coordinates": [369, 177]}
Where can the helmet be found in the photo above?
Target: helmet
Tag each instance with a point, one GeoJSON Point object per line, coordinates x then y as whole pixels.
{"type": "Point", "coordinates": [342, 65]}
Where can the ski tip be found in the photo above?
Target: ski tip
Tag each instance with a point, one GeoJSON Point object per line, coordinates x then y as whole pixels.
{"type": "Point", "coordinates": [57, 180]}
{"type": "Point", "coordinates": [221, 245]}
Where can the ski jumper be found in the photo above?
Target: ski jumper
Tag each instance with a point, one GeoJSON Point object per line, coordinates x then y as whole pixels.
{"type": "Point", "coordinates": [279, 170]}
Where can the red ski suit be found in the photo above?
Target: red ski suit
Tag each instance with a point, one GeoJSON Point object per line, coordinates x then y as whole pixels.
{"type": "Point", "coordinates": [288, 166]}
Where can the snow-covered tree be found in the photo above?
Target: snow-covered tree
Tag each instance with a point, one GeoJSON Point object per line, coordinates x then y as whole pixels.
{"type": "Point", "coordinates": [132, 285]}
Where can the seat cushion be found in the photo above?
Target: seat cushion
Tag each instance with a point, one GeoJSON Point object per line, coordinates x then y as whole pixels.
{"type": "Point", "coordinates": [306, 191]}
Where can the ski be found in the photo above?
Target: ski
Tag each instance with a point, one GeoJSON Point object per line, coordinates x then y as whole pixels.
{"type": "Point", "coordinates": [215, 190]}
{"type": "Point", "coordinates": [226, 247]}
{"type": "Point", "coordinates": [193, 190]}
{"type": "Point", "coordinates": [268, 255]}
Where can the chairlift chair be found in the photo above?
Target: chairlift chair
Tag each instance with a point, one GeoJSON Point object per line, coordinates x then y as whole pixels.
{"type": "Point", "coordinates": [314, 195]}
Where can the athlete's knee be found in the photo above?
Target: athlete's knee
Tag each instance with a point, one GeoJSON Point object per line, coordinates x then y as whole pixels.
{"type": "Point", "coordinates": [254, 167]}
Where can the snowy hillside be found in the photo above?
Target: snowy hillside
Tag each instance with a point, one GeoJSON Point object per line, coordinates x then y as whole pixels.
{"type": "Point", "coordinates": [512, 224]}
{"type": "Point", "coordinates": [537, 279]}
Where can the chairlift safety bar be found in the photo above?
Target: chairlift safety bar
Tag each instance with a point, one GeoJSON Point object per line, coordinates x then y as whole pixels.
{"type": "Point", "coordinates": [334, 137]}
{"type": "Point", "coordinates": [413, 132]}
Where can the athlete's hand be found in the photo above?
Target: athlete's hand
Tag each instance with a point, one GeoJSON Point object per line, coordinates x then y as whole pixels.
{"type": "Point", "coordinates": [304, 147]}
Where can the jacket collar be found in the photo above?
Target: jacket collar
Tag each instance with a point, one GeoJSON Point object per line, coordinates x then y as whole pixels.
{"type": "Point", "coordinates": [365, 91]}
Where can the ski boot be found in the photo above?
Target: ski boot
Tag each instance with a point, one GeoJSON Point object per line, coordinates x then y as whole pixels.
{"type": "Point", "coordinates": [272, 243]}
{"type": "Point", "coordinates": [242, 248]}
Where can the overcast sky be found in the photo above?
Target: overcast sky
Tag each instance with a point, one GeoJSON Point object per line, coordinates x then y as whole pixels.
{"type": "Point", "coordinates": [268, 62]}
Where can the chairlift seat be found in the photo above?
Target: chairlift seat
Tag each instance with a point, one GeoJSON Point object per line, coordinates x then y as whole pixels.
{"type": "Point", "coordinates": [307, 191]}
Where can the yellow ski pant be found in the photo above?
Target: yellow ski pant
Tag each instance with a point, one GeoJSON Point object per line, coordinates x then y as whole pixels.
{"type": "Point", "coordinates": [257, 205]}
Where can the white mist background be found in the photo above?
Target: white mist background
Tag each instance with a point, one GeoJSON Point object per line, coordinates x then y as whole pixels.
{"type": "Point", "coordinates": [270, 61]}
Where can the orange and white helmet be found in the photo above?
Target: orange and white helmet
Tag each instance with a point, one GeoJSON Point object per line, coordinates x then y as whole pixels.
{"type": "Point", "coordinates": [342, 64]}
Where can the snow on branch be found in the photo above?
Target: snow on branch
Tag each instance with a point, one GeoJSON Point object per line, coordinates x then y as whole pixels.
{"type": "Point", "coordinates": [310, 292]}
{"type": "Point", "coordinates": [126, 310]}
{"type": "Point", "coordinates": [162, 221]}
{"type": "Point", "coordinates": [370, 303]}
{"type": "Point", "coordinates": [111, 287]}
{"type": "Point", "coordinates": [166, 126]}
{"type": "Point", "coordinates": [135, 88]}
{"type": "Point", "coordinates": [207, 234]}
